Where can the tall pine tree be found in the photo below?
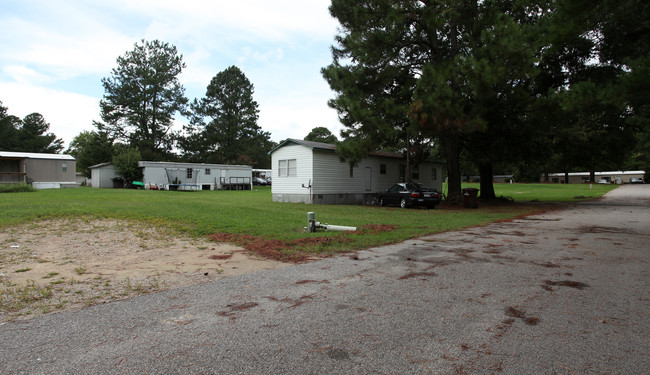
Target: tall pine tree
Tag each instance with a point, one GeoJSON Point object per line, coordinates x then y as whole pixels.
{"type": "Point", "coordinates": [224, 126]}
{"type": "Point", "coordinates": [142, 96]}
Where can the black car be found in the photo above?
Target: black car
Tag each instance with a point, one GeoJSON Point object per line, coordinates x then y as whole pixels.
{"type": "Point", "coordinates": [407, 194]}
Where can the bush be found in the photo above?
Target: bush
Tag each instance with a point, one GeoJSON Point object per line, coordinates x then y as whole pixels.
{"type": "Point", "coordinates": [16, 188]}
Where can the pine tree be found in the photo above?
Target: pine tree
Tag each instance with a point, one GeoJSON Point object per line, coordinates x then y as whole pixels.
{"type": "Point", "coordinates": [224, 127]}
{"type": "Point", "coordinates": [142, 96]}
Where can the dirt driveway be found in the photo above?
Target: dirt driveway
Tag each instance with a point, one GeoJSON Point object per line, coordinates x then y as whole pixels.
{"type": "Point", "coordinates": [59, 265]}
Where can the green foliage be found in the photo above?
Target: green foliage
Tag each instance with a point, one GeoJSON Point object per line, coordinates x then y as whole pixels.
{"type": "Point", "coordinates": [594, 70]}
{"type": "Point", "coordinates": [9, 130]}
{"type": "Point", "coordinates": [90, 148]}
{"type": "Point", "coordinates": [224, 126]}
{"type": "Point", "coordinates": [33, 136]}
{"type": "Point", "coordinates": [141, 97]}
{"type": "Point", "coordinates": [528, 85]}
{"type": "Point", "coordinates": [126, 165]}
{"type": "Point", "coordinates": [418, 71]}
{"type": "Point", "coordinates": [27, 135]}
{"type": "Point", "coordinates": [321, 134]}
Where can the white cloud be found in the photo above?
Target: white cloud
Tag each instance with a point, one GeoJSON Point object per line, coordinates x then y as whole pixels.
{"type": "Point", "coordinates": [23, 74]}
{"type": "Point", "coordinates": [67, 113]}
{"type": "Point", "coordinates": [69, 43]}
{"type": "Point", "coordinates": [295, 117]}
{"type": "Point", "coordinates": [258, 20]}
{"type": "Point", "coordinates": [54, 52]}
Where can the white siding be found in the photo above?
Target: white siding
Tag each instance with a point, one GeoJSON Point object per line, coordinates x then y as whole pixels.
{"type": "Point", "coordinates": [155, 173]}
{"type": "Point", "coordinates": [331, 176]}
{"type": "Point", "coordinates": [304, 163]}
{"type": "Point", "coordinates": [102, 177]}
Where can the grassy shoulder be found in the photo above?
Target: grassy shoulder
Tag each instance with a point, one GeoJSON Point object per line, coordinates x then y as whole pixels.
{"type": "Point", "coordinates": [549, 192]}
{"type": "Point", "coordinates": [275, 230]}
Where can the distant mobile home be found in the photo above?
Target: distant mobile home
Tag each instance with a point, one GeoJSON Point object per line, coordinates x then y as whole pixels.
{"type": "Point", "coordinates": [179, 176]}
{"type": "Point", "coordinates": [42, 171]}
{"type": "Point", "coordinates": [311, 172]}
{"type": "Point", "coordinates": [618, 177]}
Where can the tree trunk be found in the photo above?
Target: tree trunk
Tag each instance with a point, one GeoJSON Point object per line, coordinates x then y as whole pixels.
{"type": "Point", "coordinates": [452, 151]}
{"type": "Point", "coordinates": [566, 177]}
{"type": "Point", "coordinates": [487, 186]}
{"type": "Point", "coordinates": [592, 176]}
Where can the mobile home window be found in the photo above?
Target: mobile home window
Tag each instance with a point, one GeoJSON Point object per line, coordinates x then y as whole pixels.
{"type": "Point", "coordinates": [415, 174]}
{"type": "Point", "coordinates": [434, 173]}
{"type": "Point", "coordinates": [64, 167]}
{"type": "Point", "coordinates": [292, 167]}
{"type": "Point", "coordinates": [189, 173]}
{"type": "Point", "coordinates": [351, 171]}
{"type": "Point", "coordinates": [382, 168]}
{"type": "Point", "coordinates": [287, 168]}
{"type": "Point", "coordinates": [207, 171]}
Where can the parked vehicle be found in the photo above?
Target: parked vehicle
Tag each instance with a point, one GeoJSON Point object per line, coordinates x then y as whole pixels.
{"type": "Point", "coordinates": [603, 181]}
{"type": "Point", "coordinates": [636, 180]}
{"type": "Point", "coordinates": [259, 181]}
{"type": "Point", "coordinates": [408, 194]}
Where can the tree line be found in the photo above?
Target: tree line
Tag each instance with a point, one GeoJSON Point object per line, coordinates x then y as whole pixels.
{"type": "Point", "coordinates": [491, 86]}
{"type": "Point", "coordinates": [29, 134]}
{"type": "Point", "coordinates": [142, 98]}
{"type": "Point", "coordinates": [494, 85]}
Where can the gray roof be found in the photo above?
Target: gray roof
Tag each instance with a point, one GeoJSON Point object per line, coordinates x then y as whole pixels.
{"type": "Point", "coordinates": [331, 147]}
{"type": "Point", "coordinates": [99, 165]}
{"type": "Point", "coordinates": [165, 164]}
{"type": "Point", "coordinates": [34, 155]}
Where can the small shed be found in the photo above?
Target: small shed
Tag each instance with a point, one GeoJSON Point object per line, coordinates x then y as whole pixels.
{"type": "Point", "coordinates": [42, 171]}
{"type": "Point", "coordinates": [311, 172]}
{"type": "Point", "coordinates": [104, 176]}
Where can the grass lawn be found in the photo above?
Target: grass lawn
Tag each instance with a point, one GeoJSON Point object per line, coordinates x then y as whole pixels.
{"type": "Point", "coordinates": [249, 218]}
{"type": "Point", "coordinates": [549, 192]}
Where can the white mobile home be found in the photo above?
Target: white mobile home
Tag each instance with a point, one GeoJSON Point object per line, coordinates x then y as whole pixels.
{"type": "Point", "coordinates": [180, 176]}
{"type": "Point", "coordinates": [311, 172]}
{"type": "Point", "coordinates": [618, 177]}
{"type": "Point", "coordinates": [194, 176]}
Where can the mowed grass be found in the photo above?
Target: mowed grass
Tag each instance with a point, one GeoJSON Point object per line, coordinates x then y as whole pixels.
{"type": "Point", "coordinates": [251, 216]}
{"type": "Point", "coordinates": [549, 192]}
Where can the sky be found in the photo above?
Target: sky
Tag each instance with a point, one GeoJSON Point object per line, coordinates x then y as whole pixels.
{"type": "Point", "coordinates": [54, 54]}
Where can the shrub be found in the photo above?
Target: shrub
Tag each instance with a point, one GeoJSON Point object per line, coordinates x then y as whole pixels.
{"type": "Point", "coordinates": [16, 188]}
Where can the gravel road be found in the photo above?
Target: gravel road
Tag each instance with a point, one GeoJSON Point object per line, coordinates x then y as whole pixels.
{"type": "Point", "coordinates": [561, 293]}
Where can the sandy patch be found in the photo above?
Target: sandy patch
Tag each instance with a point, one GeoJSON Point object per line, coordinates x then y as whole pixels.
{"type": "Point", "coordinates": [64, 264]}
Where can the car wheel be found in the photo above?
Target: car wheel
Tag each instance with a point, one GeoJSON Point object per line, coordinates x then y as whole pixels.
{"type": "Point", "coordinates": [402, 203]}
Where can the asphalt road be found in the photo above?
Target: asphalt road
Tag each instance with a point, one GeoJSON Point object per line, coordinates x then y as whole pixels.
{"type": "Point", "coordinates": [560, 293]}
